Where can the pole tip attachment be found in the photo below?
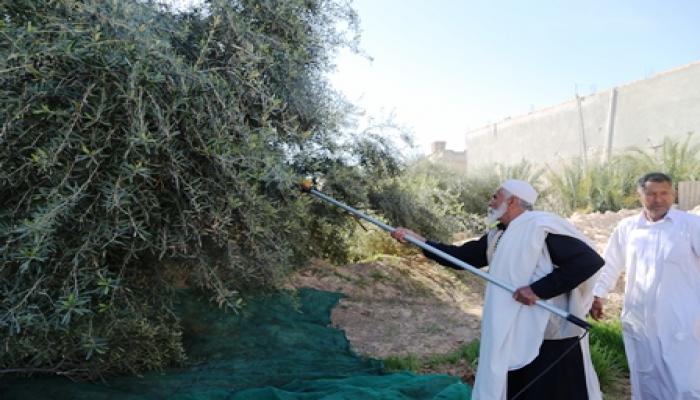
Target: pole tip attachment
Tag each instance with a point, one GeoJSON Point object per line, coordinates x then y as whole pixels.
{"type": "Point", "coordinates": [306, 185]}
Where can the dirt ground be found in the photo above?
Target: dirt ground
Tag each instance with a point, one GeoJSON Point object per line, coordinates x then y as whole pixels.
{"type": "Point", "coordinates": [410, 305]}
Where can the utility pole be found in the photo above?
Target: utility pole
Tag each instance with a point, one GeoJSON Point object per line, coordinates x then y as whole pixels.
{"type": "Point", "coordinates": [582, 130]}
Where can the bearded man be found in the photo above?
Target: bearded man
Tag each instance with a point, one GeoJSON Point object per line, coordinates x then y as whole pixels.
{"type": "Point", "coordinates": [545, 257]}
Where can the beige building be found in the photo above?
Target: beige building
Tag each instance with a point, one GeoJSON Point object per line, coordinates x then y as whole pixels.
{"type": "Point", "coordinates": [453, 160]}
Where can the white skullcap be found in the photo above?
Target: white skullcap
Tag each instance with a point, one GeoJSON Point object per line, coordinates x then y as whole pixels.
{"type": "Point", "coordinates": [521, 190]}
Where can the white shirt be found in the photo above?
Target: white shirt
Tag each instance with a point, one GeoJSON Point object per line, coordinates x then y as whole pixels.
{"type": "Point", "coordinates": [661, 313]}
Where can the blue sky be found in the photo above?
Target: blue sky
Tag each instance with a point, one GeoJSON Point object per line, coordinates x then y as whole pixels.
{"type": "Point", "coordinates": [443, 67]}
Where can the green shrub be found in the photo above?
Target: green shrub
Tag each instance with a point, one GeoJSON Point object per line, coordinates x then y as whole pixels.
{"type": "Point", "coordinates": [611, 186]}
{"type": "Point", "coordinates": [418, 200]}
{"type": "Point", "coordinates": [370, 243]}
{"type": "Point", "coordinates": [477, 188]}
{"type": "Point", "coordinates": [675, 157]}
{"type": "Point", "coordinates": [142, 150]}
{"type": "Point", "coordinates": [434, 201]}
{"type": "Point", "coordinates": [475, 192]}
{"type": "Point", "coordinates": [598, 187]}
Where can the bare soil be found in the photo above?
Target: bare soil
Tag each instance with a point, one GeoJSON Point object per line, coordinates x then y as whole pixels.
{"type": "Point", "coordinates": [409, 305]}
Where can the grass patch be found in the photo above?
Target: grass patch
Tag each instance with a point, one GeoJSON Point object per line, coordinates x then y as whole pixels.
{"type": "Point", "coordinates": [407, 362]}
{"type": "Point", "coordinates": [608, 352]}
{"type": "Point", "coordinates": [379, 276]}
{"type": "Point", "coordinates": [606, 345]}
{"type": "Point", "coordinates": [468, 352]}
{"type": "Point", "coordinates": [390, 258]}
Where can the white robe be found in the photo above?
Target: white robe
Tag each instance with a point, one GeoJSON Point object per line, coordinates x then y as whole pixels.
{"type": "Point", "coordinates": [511, 333]}
{"type": "Point", "coordinates": [661, 313]}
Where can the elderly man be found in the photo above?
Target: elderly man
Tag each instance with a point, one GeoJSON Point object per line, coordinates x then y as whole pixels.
{"type": "Point", "coordinates": [545, 257]}
{"type": "Point", "coordinates": [660, 251]}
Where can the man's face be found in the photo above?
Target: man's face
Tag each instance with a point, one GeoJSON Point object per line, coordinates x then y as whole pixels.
{"type": "Point", "coordinates": [497, 207]}
{"type": "Point", "coordinates": [657, 198]}
{"type": "Point", "coordinates": [497, 198]}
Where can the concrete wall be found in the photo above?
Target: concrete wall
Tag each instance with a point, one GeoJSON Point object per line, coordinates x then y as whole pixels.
{"type": "Point", "coordinates": [639, 114]}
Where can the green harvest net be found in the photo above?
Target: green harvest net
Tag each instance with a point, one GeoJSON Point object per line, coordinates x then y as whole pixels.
{"type": "Point", "coordinates": [279, 347]}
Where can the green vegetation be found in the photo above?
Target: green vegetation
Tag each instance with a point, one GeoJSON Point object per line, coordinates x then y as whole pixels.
{"type": "Point", "coordinates": [143, 150]}
{"type": "Point", "coordinates": [605, 339]}
{"type": "Point", "coordinates": [608, 352]}
{"type": "Point", "coordinates": [611, 186]}
{"type": "Point", "coordinates": [468, 353]}
{"type": "Point", "coordinates": [408, 362]}
{"type": "Point", "coordinates": [434, 201]}
{"type": "Point", "coordinates": [424, 197]}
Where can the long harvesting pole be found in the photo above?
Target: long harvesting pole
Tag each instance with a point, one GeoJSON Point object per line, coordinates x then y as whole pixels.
{"type": "Point", "coordinates": [307, 187]}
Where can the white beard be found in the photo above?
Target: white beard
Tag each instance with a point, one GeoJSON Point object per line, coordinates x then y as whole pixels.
{"type": "Point", "coordinates": [494, 214]}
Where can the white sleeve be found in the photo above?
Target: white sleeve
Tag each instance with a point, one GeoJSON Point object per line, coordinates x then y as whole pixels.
{"type": "Point", "coordinates": [614, 264]}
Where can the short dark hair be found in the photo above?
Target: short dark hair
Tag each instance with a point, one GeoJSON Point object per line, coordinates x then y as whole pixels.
{"type": "Point", "coordinates": [653, 177]}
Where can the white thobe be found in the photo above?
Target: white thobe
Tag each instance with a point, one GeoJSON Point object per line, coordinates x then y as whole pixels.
{"type": "Point", "coordinates": [511, 333]}
{"type": "Point", "coordinates": [661, 312]}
